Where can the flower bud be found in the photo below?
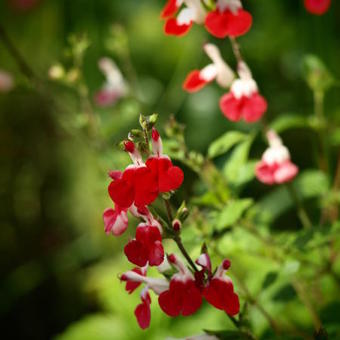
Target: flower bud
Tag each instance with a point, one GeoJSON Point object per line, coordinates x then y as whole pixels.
{"type": "Point", "coordinates": [176, 224]}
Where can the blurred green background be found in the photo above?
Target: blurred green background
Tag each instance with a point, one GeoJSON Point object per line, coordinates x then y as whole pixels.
{"type": "Point", "coordinates": [58, 268]}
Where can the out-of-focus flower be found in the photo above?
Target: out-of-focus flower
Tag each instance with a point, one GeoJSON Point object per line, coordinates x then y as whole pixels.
{"type": "Point", "coordinates": [218, 70]}
{"type": "Point", "coordinates": [6, 81]}
{"type": "Point", "coordinates": [183, 296]}
{"type": "Point", "coordinates": [275, 166]}
{"type": "Point", "coordinates": [317, 7]}
{"type": "Point", "coordinates": [229, 19]}
{"type": "Point", "coordinates": [114, 87]}
{"type": "Point", "coordinates": [56, 72]}
{"type": "Point", "coordinates": [243, 100]}
{"type": "Point", "coordinates": [179, 25]}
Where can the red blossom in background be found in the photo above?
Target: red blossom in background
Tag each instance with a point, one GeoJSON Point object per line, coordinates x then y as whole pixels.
{"type": "Point", "coordinates": [6, 81]}
{"type": "Point", "coordinates": [181, 23]}
{"type": "Point", "coordinates": [243, 101]}
{"type": "Point", "coordinates": [275, 166]}
{"type": "Point", "coordinates": [317, 7]}
{"type": "Point", "coordinates": [218, 70]}
{"type": "Point", "coordinates": [229, 19]}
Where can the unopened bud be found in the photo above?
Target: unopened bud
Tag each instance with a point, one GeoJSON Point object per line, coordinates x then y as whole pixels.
{"type": "Point", "coordinates": [226, 264]}
{"type": "Point", "coordinates": [176, 224]}
{"type": "Point", "coordinates": [172, 258]}
{"type": "Point", "coordinates": [155, 134]}
{"type": "Point", "coordinates": [129, 146]}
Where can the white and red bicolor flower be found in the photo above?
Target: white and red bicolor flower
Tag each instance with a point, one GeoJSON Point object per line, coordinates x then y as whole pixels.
{"type": "Point", "coordinates": [115, 220]}
{"type": "Point", "coordinates": [183, 296]}
{"type": "Point", "coordinates": [229, 19]}
{"type": "Point", "coordinates": [168, 177]}
{"type": "Point", "coordinates": [147, 247]}
{"type": "Point", "coordinates": [134, 278]}
{"type": "Point", "coordinates": [114, 87]}
{"type": "Point", "coordinates": [179, 24]}
{"type": "Point", "coordinates": [219, 291]}
{"type": "Point", "coordinates": [6, 81]}
{"type": "Point", "coordinates": [136, 185]}
{"type": "Point", "coordinates": [275, 166]}
{"type": "Point", "coordinates": [243, 100]}
{"type": "Point", "coordinates": [317, 7]}
{"type": "Point", "coordinates": [218, 70]}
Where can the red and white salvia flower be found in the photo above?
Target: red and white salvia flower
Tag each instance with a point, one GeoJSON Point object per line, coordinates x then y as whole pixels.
{"type": "Point", "coordinates": [179, 20]}
{"type": "Point", "coordinates": [317, 7]}
{"type": "Point", "coordinates": [134, 278]}
{"type": "Point", "coordinates": [243, 101]}
{"type": "Point", "coordinates": [219, 291]}
{"type": "Point", "coordinates": [275, 166]}
{"type": "Point", "coordinates": [115, 220]}
{"type": "Point", "coordinates": [183, 296]}
{"type": "Point", "coordinates": [114, 87]}
{"type": "Point", "coordinates": [146, 247]}
{"type": "Point", "coordinates": [218, 70]}
{"type": "Point", "coordinates": [168, 177]}
{"type": "Point", "coordinates": [229, 19]}
{"type": "Point", "coordinates": [136, 185]}
{"type": "Point", "coordinates": [6, 81]}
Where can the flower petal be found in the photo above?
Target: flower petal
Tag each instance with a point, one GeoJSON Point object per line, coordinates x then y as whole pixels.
{"type": "Point", "coordinates": [231, 107]}
{"type": "Point", "coordinates": [194, 82]}
{"type": "Point", "coordinates": [172, 27]}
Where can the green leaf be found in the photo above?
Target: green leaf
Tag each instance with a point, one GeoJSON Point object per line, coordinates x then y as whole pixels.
{"type": "Point", "coordinates": [288, 121]}
{"type": "Point", "coordinates": [233, 167]}
{"type": "Point", "coordinates": [334, 137]}
{"type": "Point", "coordinates": [225, 143]}
{"type": "Point", "coordinates": [232, 213]}
{"type": "Point", "coordinates": [316, 74]}
{"type": "Point", "coordinates": [270, 278]}
{"type": "Point", "coordinates": [285, 294]}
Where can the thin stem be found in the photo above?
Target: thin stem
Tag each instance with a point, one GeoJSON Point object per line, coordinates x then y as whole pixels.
{"type": "Point", "coordinates": [24, 67]}
{"type": "Point", "coordinates": [177, 237]}
{"type": "Point", "coordinates": [236, 49]}
{"type": "Point", "coordinates": [300, 209]}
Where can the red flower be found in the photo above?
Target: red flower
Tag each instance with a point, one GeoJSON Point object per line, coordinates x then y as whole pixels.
{"type": "Point", "coordinates": [218, 70]}
{"type": "Point", "coordinates": [136, 185]}
{"type": "Point", "coordinates": [146, 247]}
{"type": "Point", "coordinates": [143, 312]}
{"type": "Point", "coordinates": [243, 101]}
{"type": "Point", "coordinates": [275, 166]}
{"type": "Point", "coordinates": [229, 19]}
{"type": "Point", "coordinates": [115, 220]}
{"type": "Point", "coordinates": [180, 25]}
{"type": "Point", "coordinates": [131, 286]}
{"type": "Point", "coordinates": [183, 296]}
{"type": "Point", "coordinates": [133, 279]}
{"type": "Point", "coordinates": [168, 176]}
{"type": "Point", "coordinates": [317, 7]}
{"type": "Point", "coordinates": [219, 291]}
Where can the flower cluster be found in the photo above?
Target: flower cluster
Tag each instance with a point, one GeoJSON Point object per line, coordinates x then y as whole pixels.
{"type": "Point", "coordinates": [181, 293]}
{"type": "Point", "coordinates": [243, 101]}
{"type": "Point", "coordinates": [224, 18]}
{"type": "Point", "coordinates": [184, 293]}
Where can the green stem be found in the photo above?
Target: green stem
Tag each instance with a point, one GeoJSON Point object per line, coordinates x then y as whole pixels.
{"type": "Point", "coordinates": [177, 237]}
{"type": "Point", "coordinates": [303, 216]}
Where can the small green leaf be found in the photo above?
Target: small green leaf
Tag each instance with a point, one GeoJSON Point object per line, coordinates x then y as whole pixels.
{"type": "Point", "coordinates": [238, 159]}
{"type": "Point", "coordinates": [225, 143]}
{"type": "Point", "coordinates": [285, 294]}
{"type": "Point", "coordinates": [270, 278]}
{"type": "Point", "coordinates": [232, 213]}
{"type": "Point", "coordinates": [289, 121]}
